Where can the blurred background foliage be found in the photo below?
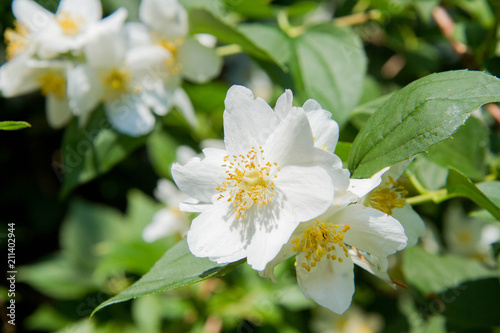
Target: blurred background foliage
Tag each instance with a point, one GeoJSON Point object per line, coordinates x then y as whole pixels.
{"type": "Point", "coordinates": [79, 232]}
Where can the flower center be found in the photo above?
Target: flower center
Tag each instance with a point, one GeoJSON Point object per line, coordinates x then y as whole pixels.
{"type": "Point", "coordinates": [16, 39]}
{"type": "Point", "coordinates": [249, 180]}
{"type": "Point", "coordinates": [172, 47]}
{"type": "Point", "coordinates": [53, 83]}
{"type": "Point", "coordinates": [117, 80]}
{"type": "Point", "coordinates": [70, 25]}
{"type": "Point", "coordinates": [321, 240]}
{"type": "Point", "coordinates": [389, 197]}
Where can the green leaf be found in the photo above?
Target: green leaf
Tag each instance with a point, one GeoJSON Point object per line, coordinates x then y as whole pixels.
{"type": "Point", "coordinates": [328, 64]}
{"type": "Point", "coordinates": [491, 190]}
{"type": "Point", "coordinates": [92, 151]}
{"type": "Point", "coordinates": [271, 39]}
{"type": "Point", "coordinates": [361, 113]}
{"type": "Point", "coordinates": [162, 151]}
{"type": "Point", "coordinates": [472, 305]}
{"type": "Point", "coordinates": [177, 268]}
{"type": "Point", "coordinates": [202, 21]}
{"type": "Point", "coordinates": [59, 277]}
{"type": "Point", "coordinates": [13, 125]}
{"type": "Point", "coordinates": [419, 116]}
{"type": "Point", "coordinates": [459, 185]}
{"type": "Point", "coordinates": [433, 273]}
{"type": "Point", "coordinates": [465, 151]}
{"type": "Point", "coordinates": [342, 150]}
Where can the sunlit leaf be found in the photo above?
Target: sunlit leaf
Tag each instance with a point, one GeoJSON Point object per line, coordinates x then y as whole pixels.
{"type": "Point", "coordinates": [419, 116]}
{"type": "Point", "coordinates": [13, 125]}
{"type": "Point", "coordinates": [328, 64]}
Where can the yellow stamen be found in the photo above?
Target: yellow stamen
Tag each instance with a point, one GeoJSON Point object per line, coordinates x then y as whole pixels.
{"type": "Point", "coordinates": [171, 46]}
{"type": "Point", "coordinates": [117, 80]}
{"type": "Point", "coordinates": [70, 25]}
{"type": "Point", "coordinates": [389, 197]}
{"type": "Point", "coordinates": [319, 241]}
{"type": "Point", "coordinates": [53, 84]}
{"type": "Point", "coordinates": [248, 181]}
{"type": "Point", "coordinates": [16, 39]}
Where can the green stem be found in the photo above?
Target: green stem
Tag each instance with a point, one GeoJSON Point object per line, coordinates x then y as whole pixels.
{"type": "Point", "coordinates": [285, 25]}
{"type": "Point", "coordinates": [358, 18]}
{"type": "Point", "coordinates": [227, 50]}
{"type": "Point", "coordinates": [432, 196]}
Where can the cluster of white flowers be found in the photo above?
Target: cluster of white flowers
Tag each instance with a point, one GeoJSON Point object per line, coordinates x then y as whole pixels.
{"type": "Point", "coordinates": [79, 60]}
{"type": "Point", "coordinates": [277, 190]}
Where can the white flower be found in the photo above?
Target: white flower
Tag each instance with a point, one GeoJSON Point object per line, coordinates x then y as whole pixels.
{"type": "Point", "coordinates": [124, 79]}
{"type": "Point", "coordinates": [354, 320]}
{"type": "Point", "coordinates": [469, 236]}
{"type": "Point", "coordinates": [254, 193]}
{"type": "Point", "coordinates": [48, 34]}
{"type": "Point", "coordinates": [324, 251]}
{"type": "Point", "coordinates": [169, 220]}
{"type": "Point", "coordinates": [383, 192]}
{"type": "Point", "coordinates": [23, 75]}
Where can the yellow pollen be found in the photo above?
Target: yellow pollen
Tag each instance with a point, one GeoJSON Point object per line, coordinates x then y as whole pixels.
{"type": "Point", "coordinates": [171, 46]}
{"type": "Point", "coordinates": [16, 39]}
{"type": "Point", "coordinates": [319, 241]}
{"type": "Point", "coordinates": [389, 197]}
{"type": "Point", "coordinates": [117, 80]}
{"type": "Point", "coordinates": [248, 181]}
{"type": "Point", "coordinates": [69, 24]}
{"type": "Point", "coordinates": [53, 84]}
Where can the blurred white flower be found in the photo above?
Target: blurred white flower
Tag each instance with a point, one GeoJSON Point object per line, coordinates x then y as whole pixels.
{"type": "Point", "coordinates": [469, 236]}
{"type": "Point", "coordinates": [23, 75]}
{"type": "Point", "coordinates": [269, 178]}
{"type": "Point", "coordinates": [48, 35]}
{"type": "Point", "coordinates": [124, 79]}
{"type": "Point", "coordinates": [169, 220]}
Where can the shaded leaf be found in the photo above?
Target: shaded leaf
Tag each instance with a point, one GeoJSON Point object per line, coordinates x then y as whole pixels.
{"type": "Point", "coordinates": [92, 151]}
{"type": "Point", "coordinates": [459, 185]}
{"type": "Point", "coordinates": [419, 116]}
{"type": "Point", "coordinates": [432, 273]}
{"type": "Point", "coordinates": [177, 268]}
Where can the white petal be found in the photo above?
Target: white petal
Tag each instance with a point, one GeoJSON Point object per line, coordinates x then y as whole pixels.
{"type": "Point", "coordinates": [105, 41]}
{"type": "Point", "coordinates": [332, 164]}
{"type": "Point", "coordinates": [167, 17]}
{"type": "Point", "coordinates": [284, 104]}
{"type": "Point", "coordinates": [193, 206]}
{"type": "Point", "coordinates": [58, 111]}
{"type": "Point", "coordinates": [412, 223]}
{"type": "Point", "coordinates": [206, 40]}
{"type": "Point", "coordinates": [129, 115]}
{"type": "Point", "coordinates": [324, 129]}
{"type": "Point", "coordinates": [371, 230]}
{"type": "Point", "coordinates": [84, 89]}
{"type": "Point", "coordinates": [292, 142]}
{"type": "Point", "coordinates": [285, 253]}
{"type": "Point", "coordinates": [372, 264]}
{"type": "Point", "coordinates": [303, 193]}
{"type": "Point", "coordinates": [199, 63]}
{"type": "Point", "coordinates": [248, 121]}
{"type": "Point", "coordinates": [330, 283]}
{"type": "Point", "coordinates": [168, 193]}
{"type": "Point", "coordinates": [216, 232]}
{"type": "Point", "coordinates": [89, 11]}
{"type": "Point", "coordinates": [32, 15]}
{"type": "Point", "coordinates": [16, 78]}
{"type": "Point", "coordinates": [361, 187]}
{"type": "Point", "coordinates": [137, 34]}
{"type": "Point", "coordinates": [199, 178]}
{"type": "Point", "coordinates": [184, 153]}
{"type": "Point", "coordinates": [165, 223]}
{"type": "Point", "coordinates": [181, 100]}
